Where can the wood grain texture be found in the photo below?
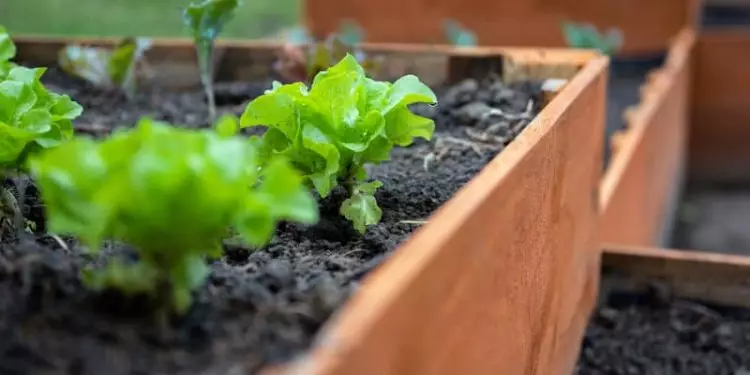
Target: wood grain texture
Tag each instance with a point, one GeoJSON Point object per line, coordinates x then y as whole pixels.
{"type": "Point", "coordinates": [504, 276]}
{"type": "Point", "coordinates": [648, 25]}
{"type": "Point", "coordinates": [646, 168]}
{"type": "Point", "coordinates": [708, 277]}
{"type": "Point", "coordinates": [720, 131]}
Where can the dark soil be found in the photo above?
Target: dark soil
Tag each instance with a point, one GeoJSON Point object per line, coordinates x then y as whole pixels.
{"type": "Point", "coordinates": [714, 219]}
{"type": "Point", "coordinates": [257, 307]}
{"type": "Point", "coordinates": [653, 334]}
{"type": "Point", "coordinates": [625, 80]}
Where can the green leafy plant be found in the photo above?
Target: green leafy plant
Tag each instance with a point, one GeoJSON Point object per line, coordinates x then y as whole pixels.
{"type": "Point", "coordinates": [172, 194]}
{"type": "Point", "coordinates": [7, 51]}
{"type": "Point", "coordinates": [302, 57]}
{"type": "Point", "coordinates": [457, 35]}
{"type": "Point", "coordinates": [31, 119]}
{"type": "Point", "coordinates": [586, 36]}
{"type": "Point", "coordinates": [342, 123]}
{"type": "Point", "coordinates": [106, 67]}
{"type": "Point", "coordinates": [205, 20]}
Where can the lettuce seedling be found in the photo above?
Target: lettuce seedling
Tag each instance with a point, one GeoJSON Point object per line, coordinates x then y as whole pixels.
{"type": "Point", "coordinates": [300, 61]}
{"type": "Point", "coordinates": [342, 123]}
{"type": "Point", "coordinates": [7, 51]}
{"type": "Point", "coordinates": [106, 67]}
{"type": "Point", "coordinates": [31, 119]}
{"type": "Point", "coordinates": [586, 36]}
{"type": "Point", "coordinates": [457, 35]}
{"type": "Point", "coordinates": [172, 194]}
{"type": "Point", "coordinates": [205, 20]}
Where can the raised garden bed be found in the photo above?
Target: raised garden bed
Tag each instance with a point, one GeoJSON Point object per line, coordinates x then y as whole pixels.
{"type": "Point", "coordinates": [645, 186]}
{"type": "Point", "coordinates": [664, 311]}
{"type": "Point", "coordinates": [494, 239]}
{"type": "Point", "coordinates": [648, 26]}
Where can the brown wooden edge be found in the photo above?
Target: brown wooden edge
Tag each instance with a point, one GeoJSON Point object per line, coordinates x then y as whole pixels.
{"type": "Point", "coordinates": [513, 254]}
{"type": "Point", "coordinates": [720, 130]}
{"type": "Point", "coordinates": [466, 307]}
{"type": "Point", "coordinates": [708, 277]}
{"type": "Point", "coordinates": [643, 181]}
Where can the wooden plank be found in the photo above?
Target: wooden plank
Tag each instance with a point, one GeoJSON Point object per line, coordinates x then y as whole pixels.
{"type": "Point", "coordinates": [720, 130]}
{"type": "Point", "coordinates": [648, 25]}
{"type": "Point", "coordinates": [708, 277]}
{"type": "Point", "coordinates": [513, 254]}
{"type": "Point", "coordinates": [644, 176]}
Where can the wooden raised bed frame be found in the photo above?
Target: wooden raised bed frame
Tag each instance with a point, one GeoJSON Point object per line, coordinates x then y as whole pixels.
{"type": "Point", "coordinates": [648, 25]}
{"type": "Point", "coordinates": [520, 302]}
{"type": "Point", "coordinates": [691, 124]}
{"type": "Point", "coordinates": [706, 277]}
{"type": "Point", "coordinates": [642, 184]}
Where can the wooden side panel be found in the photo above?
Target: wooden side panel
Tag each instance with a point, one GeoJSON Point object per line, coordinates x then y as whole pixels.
{"type": "Point", "coordinates": [648, 25]}
{"type": "Point", "coordinates": [503, 278]}
{"type": "Point", "coordinates": [709, 277]}
{"type": "Point", "coordinates": [645, 172]}
{"type": "Point", "coordinates": [720, 131]}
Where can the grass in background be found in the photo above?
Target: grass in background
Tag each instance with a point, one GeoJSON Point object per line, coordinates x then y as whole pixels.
{"type": "Point", "coordinates": [254, 19]}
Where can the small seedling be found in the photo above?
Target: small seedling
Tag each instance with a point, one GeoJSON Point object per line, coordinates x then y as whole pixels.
{"type": "Point", "coordinates": [105, 67]}
{"type": "Point", "coordinates": [31, 119]}
{"type": "Point", "coordinates": [7, 51]}
{"type": "Point", "coordinates": [343, 122]}
{"type": "Point", "coordinates": [457, 35]}
{"type": "Point", "coordinates": [205, 20]}
{"type": "Point", "coordinates": [172, 194]}
{"type": "Point", "coordinates": [302, 57]}
{"type": "Point", "coordinates": [586, 36]}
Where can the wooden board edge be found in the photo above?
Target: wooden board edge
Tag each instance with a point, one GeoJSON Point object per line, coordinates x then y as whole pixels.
{"type": "Point", "coordinates": [345, 331]}
{"type": "Point", "coordinates": [549, 55]}
{"type": "Point", "coordinates": [705, 276]}
{"type": "Point", "coordinates": [652, 94]}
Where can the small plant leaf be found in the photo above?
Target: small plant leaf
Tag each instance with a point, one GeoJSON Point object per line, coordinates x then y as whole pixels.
{"type": "Point", "coordinates": [104, 67]}
{"type": "Point", "coordinates": [586, 36]}
{"type": "Point", "coordinates": [459, 36]}
{"type": "Point", "coordinates": [197, 185]}
{"type": "Point", "coordinates": [7, 47]}
{"type": "Point", "coordinates": [343, 122]}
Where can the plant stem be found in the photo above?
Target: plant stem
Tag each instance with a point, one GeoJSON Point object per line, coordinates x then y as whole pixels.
{"type": "Point", "coordinates": [205, 49]}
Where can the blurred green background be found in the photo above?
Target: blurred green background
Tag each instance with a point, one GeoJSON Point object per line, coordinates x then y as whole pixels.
{"type": "Point", "coordinates": [254, 19]}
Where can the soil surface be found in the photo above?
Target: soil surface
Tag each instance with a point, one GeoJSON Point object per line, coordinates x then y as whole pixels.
{"type": "Point", "coordinates": [257, 307]}
{"type": "Point", "coordinates": [625, 80]}
{"type": "Point", "coordinates": [654, 334]}
{"type": "Point", "coordinates": [714, 219]}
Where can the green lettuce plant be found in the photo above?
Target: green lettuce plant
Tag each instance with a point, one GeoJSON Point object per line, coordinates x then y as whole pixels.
{"type": "Point", "coordinates": [106, 67]}
{"type": "Point", "coordinates": [205, 20]}
{"type": "Point", "coordinates": [586, 36]}
{"type": "Point", "coordinates": [172, 194]}
{"type": "Point", "coordinates": [343, 122]}
{"type": "Point", "coordinates": [31, 119]}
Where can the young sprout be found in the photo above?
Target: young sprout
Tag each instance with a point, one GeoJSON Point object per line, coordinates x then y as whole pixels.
{"type": "Point", "coordinates": [7, 51]}
{"type": "Point", "coordinates": [205, 20]}
{"type": "Point", "coordinates": [301, 58]}
{"type": "Point", "coordinates": [457, 35]}
{"type": "Point", "coordinates": [586, 36]}
{"type": "Point", "coordinates": [31, 119]}
{"type": "Point", "coordinates": [106, 67]}
{"type": "Point", "coordinates": [172, 194]}
{"type": "Point", "coordinates": [332, 130]}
